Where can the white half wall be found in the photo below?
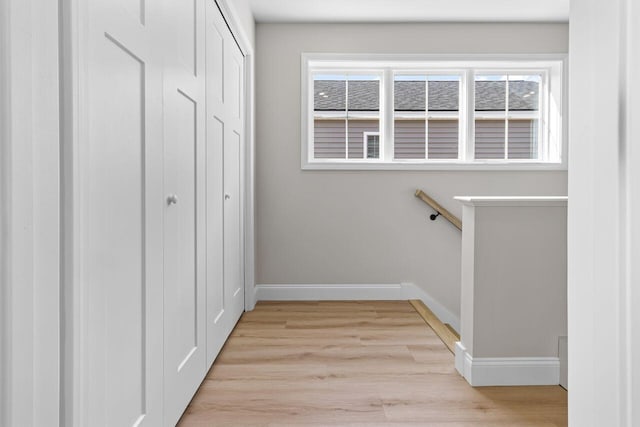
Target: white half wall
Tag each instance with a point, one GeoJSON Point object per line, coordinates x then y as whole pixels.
{"type": "Point", "coordinates": [514, 280]}
{"type": "Point", "coordinates": [338, 227]}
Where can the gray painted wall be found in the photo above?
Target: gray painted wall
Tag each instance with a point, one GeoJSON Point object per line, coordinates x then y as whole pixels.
{"type": "Point", "coordinates": [317, 227]}
{"type": "Point", "coordinates": [520, 281]}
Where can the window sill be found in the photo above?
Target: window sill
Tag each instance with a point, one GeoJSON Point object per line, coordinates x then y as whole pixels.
{"type": "Point", "coordinates": [434, 166]}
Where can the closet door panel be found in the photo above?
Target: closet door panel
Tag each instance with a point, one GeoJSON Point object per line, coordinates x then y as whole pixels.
{"type": "Point", "coordinates": [233, 211]}
{"type": "Point", "coordinates": [184, 208]}
{"type": "Point", "coordinates": [116, 234]}
{"type": "Point", "coordinates": [217, 323]}
{"type": "Point", "coordinates": [225, 297]}
{"type": "Point", "coordinates": [181, 284]}
{"type": "Point", "coordinates": [216, 320]}
{"type": "Point", "coordinates": [233, 277]}
{"type": "Point", "coordinates": [119, 291]}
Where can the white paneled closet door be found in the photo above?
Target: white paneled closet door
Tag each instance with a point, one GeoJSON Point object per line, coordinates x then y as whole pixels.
{"type": "Point", "coordinates": [157, 204]}
{"type": "Point", "coordinates": [225, 133]}
{"type": "Point", "coordinates": [118, 217]}
{"type": "Point", "coordinates": [184, 208]}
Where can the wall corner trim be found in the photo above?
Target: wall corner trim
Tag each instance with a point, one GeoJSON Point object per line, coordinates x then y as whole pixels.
{"type": "Point", "coordinates": [333, 292]}
{"type": "Point", "coordinates": [506, 371]}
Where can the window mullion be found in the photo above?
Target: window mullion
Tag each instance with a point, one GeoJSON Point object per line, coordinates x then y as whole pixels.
{"type": "Point", "coordinates": [426, 118]}
{"type": "Point", "coordinates": [506, 120]}
{"type": "Point", "coordinates": [469, 117]}
{"type": "Point", "coordinates": [543, 119]}
{"type": "Point", "coordinates": [346, 117]}
{"type": "Point", "coordinates": [387, 116]}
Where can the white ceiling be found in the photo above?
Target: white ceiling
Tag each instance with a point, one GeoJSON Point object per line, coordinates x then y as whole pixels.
{"type": "Point", "coordinates": [410, 10]}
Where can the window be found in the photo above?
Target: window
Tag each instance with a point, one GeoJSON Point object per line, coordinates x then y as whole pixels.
{"type": "Point", "coordinates": [507, 116]}
{"type": "Point", "coordinates": [426, 116]}
{"type": "Point", "coordinates": [424, 112]}
{"type": "Point", "coordinates": [346, 107]}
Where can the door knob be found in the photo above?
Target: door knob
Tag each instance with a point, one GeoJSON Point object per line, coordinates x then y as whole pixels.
{"type": "Point", "coordinates": [227, 196]}
{"type": "Point", "coordinates": [172, 199]}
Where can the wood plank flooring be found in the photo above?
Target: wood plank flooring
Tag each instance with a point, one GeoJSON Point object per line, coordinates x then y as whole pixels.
{"type": "Point", "coordinates": [356, 364]}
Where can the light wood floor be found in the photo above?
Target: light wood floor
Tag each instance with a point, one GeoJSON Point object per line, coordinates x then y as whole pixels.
{"type": "Point", "coordinates": [353, 364]}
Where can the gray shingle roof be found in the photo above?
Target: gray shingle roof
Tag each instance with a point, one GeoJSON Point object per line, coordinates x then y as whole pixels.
{"type": "Point", "coordinates": [329, 95]}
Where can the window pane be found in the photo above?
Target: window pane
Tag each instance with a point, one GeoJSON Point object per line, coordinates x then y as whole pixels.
{"type": "Point", "coordinates": [444, 95]}
{"type": "Point", "coordinates": [523, 139]}
{"type": "Point", "coordinates": [329, 139]}
{"type": "Point", "coordinates": [410, 93]}
{"type": "Point", "coordinates": [443, 132]}
{"type": "Point", "coordinates": [330, 101]}
{"type": "Point", "coordinates": [489, 139]}
{"type": "Point", "coordinates": [363, 112]}
{"type": "Point", "coordinates": [409, 139]}
{"type": "Point", "coordinates": [410, 102]}
{"type": "Point", "coordinates": [329, 93]}
{"type": "Point", "coordinates": [364, 93]}
{"type": "Point", "coordinates": [443, 139]}
{"type": "Point", "coordinates": [490, 93]}
{"type": "Point", "coordinates": [524, 93]}
{"type": "Point", "coordinates": [357, 129]}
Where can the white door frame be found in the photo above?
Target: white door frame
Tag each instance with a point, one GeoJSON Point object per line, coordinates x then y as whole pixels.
{"type": "Point", "coordinates": [30, 212]}
{"type": "Point", "coordinates": [604, 207]}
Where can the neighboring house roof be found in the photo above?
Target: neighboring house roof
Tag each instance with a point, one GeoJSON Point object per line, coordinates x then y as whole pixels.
{"type": "Point", "coordinates": [364, 95]}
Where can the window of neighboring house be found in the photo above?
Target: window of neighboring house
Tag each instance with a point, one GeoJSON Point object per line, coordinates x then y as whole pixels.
{"type": "Point", "coordinates": [406, 113]}
{"type": "Point", "coordinates": [371, 144]}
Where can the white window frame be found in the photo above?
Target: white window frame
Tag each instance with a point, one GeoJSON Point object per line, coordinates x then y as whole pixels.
{"type": "Point", "coordinates": [553, 107]}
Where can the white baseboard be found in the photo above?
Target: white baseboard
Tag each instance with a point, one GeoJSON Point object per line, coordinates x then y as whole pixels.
{"type": "Point", "coordinates": [460, 354]}
{"type": "Point", "coordinates": [506, 371]}
{"type": "Point", "coordinates": [396, 292]}
{"type": "Point", "coordinates": [327, 292]}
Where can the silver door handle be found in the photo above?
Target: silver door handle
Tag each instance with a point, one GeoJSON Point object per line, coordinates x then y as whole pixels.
{"type": "Point", "coordinates": [227, 196]}
{"type": "Point", "coordinates": [172, 200]}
